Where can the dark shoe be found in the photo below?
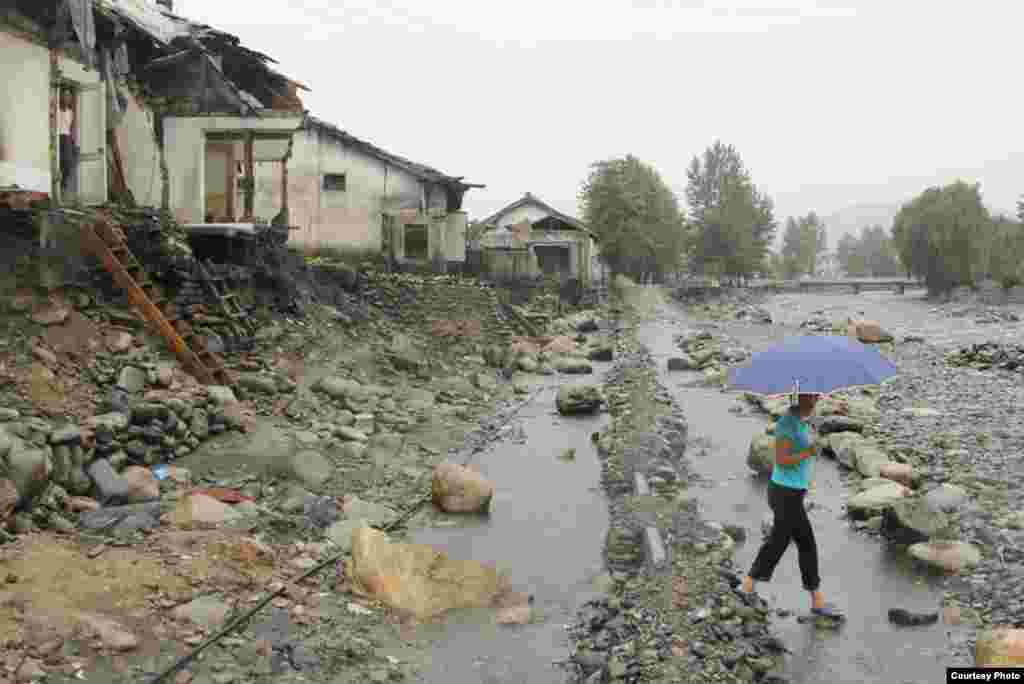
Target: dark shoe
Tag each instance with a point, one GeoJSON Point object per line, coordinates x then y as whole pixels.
{"type": "Point", "coordinates": [828, 611]}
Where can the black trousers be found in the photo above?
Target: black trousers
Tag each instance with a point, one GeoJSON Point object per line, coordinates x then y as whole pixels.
{"type": "Point", "coordinates": [791, 524]}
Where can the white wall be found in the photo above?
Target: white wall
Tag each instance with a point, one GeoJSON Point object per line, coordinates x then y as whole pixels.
{"type": "Point", "coordinates": [140, 156]}
{"type": "Point", "coordinates": [24, 114]}
{"type": "Point", "coordinates": [353, 217]}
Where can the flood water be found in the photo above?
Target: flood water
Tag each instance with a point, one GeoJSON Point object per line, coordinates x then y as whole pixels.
{"type": "Point", "coordinates": [547, 526]}
{"type": "Point", "coordinates": [860, 574]}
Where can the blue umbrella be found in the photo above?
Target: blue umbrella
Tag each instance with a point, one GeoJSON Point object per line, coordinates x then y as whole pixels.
{"type": "Point", "coordinates": [812, 364]}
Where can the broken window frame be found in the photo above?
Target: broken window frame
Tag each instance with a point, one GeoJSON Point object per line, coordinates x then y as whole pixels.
{"type": "Point", "coordinates": [416, 228]}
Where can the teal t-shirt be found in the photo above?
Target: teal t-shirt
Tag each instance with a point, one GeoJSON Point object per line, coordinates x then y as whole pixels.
{"type": "Point", "coordinates": [798, 433]}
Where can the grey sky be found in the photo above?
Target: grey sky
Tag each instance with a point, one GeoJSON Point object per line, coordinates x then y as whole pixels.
{"type": "Point", "coordinates": [830, 102]}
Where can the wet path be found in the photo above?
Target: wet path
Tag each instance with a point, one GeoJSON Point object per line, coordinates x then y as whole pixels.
{"type": "Point", "coordinates": [547, 528]}
{"type": "Point", "coordinates": [859, 573]}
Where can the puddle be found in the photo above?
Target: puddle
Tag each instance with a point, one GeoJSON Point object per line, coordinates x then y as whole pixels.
{"type": "Point", "coordinates": [859, 573]}
{"type": "Point", "coordinates": [547, 527]}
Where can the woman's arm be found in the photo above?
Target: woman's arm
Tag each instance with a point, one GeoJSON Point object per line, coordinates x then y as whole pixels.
{"type": "Point", "coordinates": [785, 456]}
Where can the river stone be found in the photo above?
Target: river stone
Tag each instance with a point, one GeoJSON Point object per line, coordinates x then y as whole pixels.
{"type": "Point", "coordinates": [946, 498]}
{"type": "Point", "coordinates": [601, 352]}
{"type": "Point", "coordinates": [62, 462]}
{"type": "Point", "coordinates": [30, 471]}
{"type": "Point", "coordinates": [337, 387]}
{"type": "Point", "coordinates": [221, 395]}
{"type": "Point", "coordinates": [261, 384]}
{"type": "Point", "coordinates": [578, 399]}
{"type": "Point", "coordinates": [833, 424]}
{"type": "Point", "coordinates": [355, 508]}
{"type": "Point", "coordinates": [869, 459]}
{"type": "Point", "coordinates": [871, 482]}
{"type": "Point", "coordinates": [875, 500]}
{"type": "Point", "coordinates": [340, 533]}
{"type": "Point", "coordinates": [1000, 647]}
{"type": "Point", "coordinates": [573, 365]}
{"type": "Point", "coordinates": [681, 363]}
{"type": "Point", "coordinates": [952, 557]}
{"type": "Point", "coordinates": [527, 363]}
{"type": "Point", "coordinates": [761, 455]}
{"type": "Point", "coordinates": [207, 612]}
{"type": "Point", "coordinates": [115, 422]}
{"type": "Point", "coordinates": [310, 468]}
{"type": "Point", "coordinates": [922, 412]}
{"type": "Point", "coordinates": [132, 379]}
{"type": "Point", "coordinates": [200, 424]}
{"type": "Point", "coordinates": [384, 449]}
{"type": "Point", "coordinates": [66, 435]}
{"type": "Point", "coordinates": [911, 520]}
{"type": "Point", "coordinates": [350, 434]}
{"type": "Point", "coordinates": [843, 446]}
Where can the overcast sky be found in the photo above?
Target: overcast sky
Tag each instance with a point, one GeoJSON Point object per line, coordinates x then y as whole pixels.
{"type": "Point", "coordinates": [829, 102]}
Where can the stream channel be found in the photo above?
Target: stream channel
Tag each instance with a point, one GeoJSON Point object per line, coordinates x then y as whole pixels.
{"type": "Point", "coordinates": [864, 577]}
{"type": "Point", "coordinates": [547, 526]}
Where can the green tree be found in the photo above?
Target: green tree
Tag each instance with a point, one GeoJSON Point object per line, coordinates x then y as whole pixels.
{"type": "Point", "coordinates": [1007, 252]}
{"type": "Point", "coordinates": [878, 253]}
{"type": "Point", "coordinates": [792, 247]}
{"type": "Point", "coordinates": [635, 216]}
{"type": "Point", "coordinates": [936, 235]}
{"type": "Point", "coordinates": [846, 250]}
{"type": "Point", "coordinates": [733, 223]}
{"type": "Point", "coordinates": [803, 241]}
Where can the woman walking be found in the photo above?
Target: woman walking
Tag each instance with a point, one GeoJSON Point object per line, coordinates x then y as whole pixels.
{"type": "Point", "coordinates": [791, 476]}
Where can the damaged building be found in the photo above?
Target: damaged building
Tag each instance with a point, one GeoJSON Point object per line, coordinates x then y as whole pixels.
{"type": "Point", "coordinates": [531, 238]}
{"type": "Point", "coordinates": [218, 139]}
{"type": "Point", "coordinates": [349, 193]}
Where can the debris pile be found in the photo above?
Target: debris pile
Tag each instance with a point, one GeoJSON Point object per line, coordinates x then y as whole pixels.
{"type": "Point", "coordinates": [987, 355]}
{"type": "Point", "coordinates": [983, 315]}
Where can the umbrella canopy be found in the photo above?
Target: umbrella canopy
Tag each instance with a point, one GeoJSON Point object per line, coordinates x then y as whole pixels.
{"type": "Point", "coordinates": [813, 364]}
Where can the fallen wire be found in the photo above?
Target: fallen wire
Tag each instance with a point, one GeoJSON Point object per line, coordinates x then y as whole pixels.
{"type": "Point", "coordinates": [334, 559]}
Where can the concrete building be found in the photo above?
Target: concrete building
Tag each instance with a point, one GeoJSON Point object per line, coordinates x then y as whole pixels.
{"type": "Point", "coordinates": [530, 237]}
{"type": "Point", "coordinates": [346, 192]}
{"type": "Point", "coordinates": [212, 142]}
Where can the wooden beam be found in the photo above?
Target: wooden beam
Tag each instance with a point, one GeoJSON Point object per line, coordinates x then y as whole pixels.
{"type": "Point", "coordinates": [250, 178]}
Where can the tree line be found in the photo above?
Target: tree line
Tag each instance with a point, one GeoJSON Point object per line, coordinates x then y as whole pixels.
{"type": "Point", "coordinates": [944, 236]}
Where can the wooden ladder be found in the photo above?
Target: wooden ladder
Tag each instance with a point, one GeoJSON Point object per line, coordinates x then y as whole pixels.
{"type": "Point", "coordinates": [107, 243]}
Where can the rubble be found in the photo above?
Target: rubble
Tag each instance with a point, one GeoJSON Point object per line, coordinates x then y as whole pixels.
{"type": "Point", "coordinates": [988, 355]}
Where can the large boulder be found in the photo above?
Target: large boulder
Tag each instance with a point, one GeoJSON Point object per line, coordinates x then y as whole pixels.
{"type": "Point", "coordinates": [577, 399]}
{"type": "Point", "coordinates": [417, 579]}
{"type": "Point", "coordinates": [910, 520]}
{"type": "Point", "coordinates": [1000, 647]}
{"type": "Point", "coordinates": [458, 489]}
{"type": "Point", "coordinates": [29, 469]}
{"type": "Point", "coordinates": [761, 455]}
{"type": "Point", "coordinates": [868, 331]}
{"type": "Point", "coordinates": [874, 501]}
{"type": "Point", "coordinates": [869, 459]}
{"type": "Point", "coordinates": [843, 445]}
{"type": "Point", "coordinates": [950, 557]}
{"type": "Point", "coordinates": [198, 511]}
{"type": "Point", "coordinates": [310, 468]}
